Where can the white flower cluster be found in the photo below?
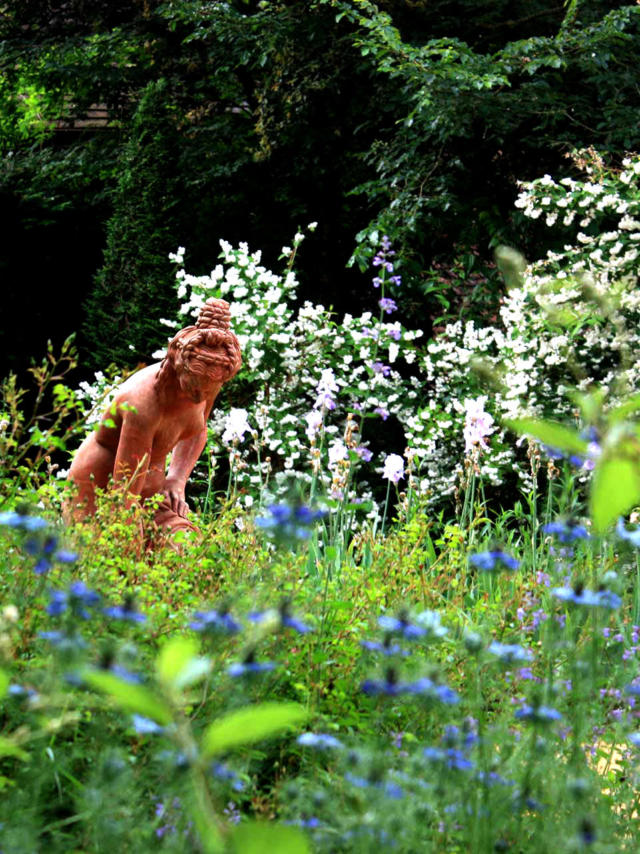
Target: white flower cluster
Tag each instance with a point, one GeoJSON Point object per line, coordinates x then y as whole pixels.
{"type": "Point", "coordinates": [574, 321]}
{"type": "Point", "coordinates": [304, 373]}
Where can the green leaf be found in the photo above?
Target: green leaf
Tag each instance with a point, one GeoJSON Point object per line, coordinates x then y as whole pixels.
{"type": "Point", "coordinates": [133, 698]}
{"type": "Point", "coordinates": [550, 433]}
{"type": "Point", "coordinates": [9, 748]}
{"type": "Point", "coordinates": [251, 724]}
{"type": "Point", "coordinates": [628, 407]}
{"type": "Point", "coordinates": [615, 489]}
{"type": "Point", "coordinates": [256, 837]}
{"type": "Point", "coordinates": [4, 683]}
{"type": "Point", "coordinates": [178, 665]}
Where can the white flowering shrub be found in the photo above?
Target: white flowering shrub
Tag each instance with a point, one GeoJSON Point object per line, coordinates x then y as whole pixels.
{"type": "Point", "coordinates": [313, 387]}
{"type": "Point", "coordinates": [571, 321]}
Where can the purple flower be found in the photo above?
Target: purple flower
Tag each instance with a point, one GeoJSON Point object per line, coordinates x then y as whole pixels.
{"type": "Point", "coordinates": [382, 412]}
{"type": "Point", "coordinates": [364, 454]}
{"type": "Point", "coordinates": [387, 305]}
{"type": "Point", "coordinates": [381, 368]}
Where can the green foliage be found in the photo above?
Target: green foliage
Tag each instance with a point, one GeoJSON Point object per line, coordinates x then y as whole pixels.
{"type": "Point", "coordinates": [132, 289]}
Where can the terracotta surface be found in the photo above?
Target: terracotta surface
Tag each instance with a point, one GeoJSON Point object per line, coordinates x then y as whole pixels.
{"type": "Point", "coordinates": [160, 410]}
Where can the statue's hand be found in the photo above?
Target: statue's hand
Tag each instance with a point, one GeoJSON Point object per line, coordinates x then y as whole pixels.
{"type": "Point", "coordinates": [174, 492]}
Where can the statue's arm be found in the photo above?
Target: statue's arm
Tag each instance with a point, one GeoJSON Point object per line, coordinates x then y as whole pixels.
{"type": "Point", "coordinates": [133, 454]}
{"type": "Point", "coordinates": [183, 459]}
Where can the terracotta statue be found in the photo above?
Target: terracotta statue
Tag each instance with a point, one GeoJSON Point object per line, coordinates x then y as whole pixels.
{"type": "Point", "coordinates": [160, 410]}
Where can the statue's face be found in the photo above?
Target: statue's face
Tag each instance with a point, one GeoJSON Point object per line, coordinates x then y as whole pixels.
{"type": "Point", "coordinates": [197, 387]}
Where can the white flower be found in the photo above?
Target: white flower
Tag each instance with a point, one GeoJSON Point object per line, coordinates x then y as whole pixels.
{"type": "Point", "coordinates": [478, 424]}
{"type": "Point", "coordinates": [235, 426]}
{"type": "Point", "coordinates": [338, 452]}
{"type": "Point", "coordinates": [326, 387]}
{"type": "Point", "coordinates": [393, 468]}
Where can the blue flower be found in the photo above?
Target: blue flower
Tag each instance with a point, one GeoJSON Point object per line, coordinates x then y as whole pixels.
{"type": "Point", "coordinates": [494, 559]}
{"type": "Point", "coordinates": [22, 520]}
{"type": "Point", "coordinates": [64, 556]}
{"type": "Point", "coordinates": [391, 790]}
{"type": "Point", "coordinates": [632, 537]}
{"type": "Point", "coordinates": [78, 597]}
{"type": "Point", "coordinates": [214, 622]}
{"type": "Point", "coordinates": [509, 653]}
{"type": "Point", "coordinates": [64, 641]}
{"type": "Point", "coordinates": [223, 772]}
{"type": "Point", "coordinates": [290, 523]}
{"type": "Point", "coordinates": [588, 598]}
{"type": "Point", "coordinates": [249, 667]}
{"type": "Point", "coordinates": [319, 739]}
{"type": "Point", "coordinates": [385, 647]}
{"type": "Point", "coordinates": [566, 532]}
{"type": "Point", "coordinates": [451, 757]}
{"type": "Point", "coordinates": [538, 714]}
{"type": "Point", "coordinates": [400, 625]}
{"type": "Point", "coordinates": [283, 615]}
{"type": "Point", "coordinates": [425, 687]}
{"type": "Point", "coordinates": [126, 612]}
{"type": "Point", "coordinates": [145, 726]}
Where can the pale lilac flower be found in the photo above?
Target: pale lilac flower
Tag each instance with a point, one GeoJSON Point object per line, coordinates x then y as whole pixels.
{"type": "Point", "coordinates": [325, 389]}
{"type": "Point", "coordinates": [387, 305]}
{"type": "Point", "coordinates": [393, 468]}
{"type": "Point", "coordinates": [235, 426]}
{"type": "Point", "coordinates": [382, 412]}
{"type": "Point", "coordinates": [314, 424]}
{"type": "Point", "coordinates": [338, 452]}
{"type": "Point", "coordinates": [381, 368]}
{"type": "Point", "coordinates": [478, 424]}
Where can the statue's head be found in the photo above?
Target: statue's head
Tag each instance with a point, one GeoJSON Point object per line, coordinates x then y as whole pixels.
{"type": "Point", "coordinates": [205, 354]}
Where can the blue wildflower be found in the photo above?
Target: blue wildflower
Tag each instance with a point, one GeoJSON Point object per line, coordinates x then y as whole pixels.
{"type": "Point", "coordinates": [538, 714]}
{"type": "Point", "coordinates": [494, 559]}
{"type": "Point", "coordinates": [290, 522]}
{"type": "Point", "coordinates": [589, 598]}
{"type": "Point", "coordinates": [632, 537]}
{"type": "Point", "coordinates": [283, 616]}
{"type": "Point", "coordinates": [318, 739]}
{"type": "Point", "coordinates": [249, 667]}
{"type": "Point", "coordinates": [78, 598]}
{"type": "Point", "coordinates": [451, 757]}
{"type": "Point", "coordinates": [386, 647]}
{"type": "Point", "coordinates": [64, 641]}
{"type": "Point", "coordinates": [65, 556]}
{"type": "Point", "coordinates": [391, 790]}
{"type": "Point", "coordinates": [509, 653]}
{"type": "Point", "coordinates": [214, 622]}
{"type": "Point", "coordinates": [22, 520]}
{"type": "Point", "coordinates": [634, 738]}
{"type": "Point", "coordinates": [390, 687]}
{"type": "Point", "coordinates": [400, 625]}
{"type": "Point", "coordinates": [126, 612]}
{"type": "Point", "coordinates": [145, 726]}
{"type": "Point", "coordinates": [566, 532]}
{"type": "Point", "coordinates": [223, 772]}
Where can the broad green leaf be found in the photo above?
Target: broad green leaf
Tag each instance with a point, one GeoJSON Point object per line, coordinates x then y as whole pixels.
{"type": "Point", "coordinates": [256, 837]}
{"type": "Point", "coordinates": [4, 683]}
{"type": "Point", "coordinates": [626, 408]}
{"type": "Point", "coordinates": [9, 748]}
{"type": "Point", "coordinates": [251, 724]}
{"type": "Point", "coordinates": [615, 489]}
{"type": "Point", "coordinates": [178, 665]}
{"type": "Point", "coordinates": [133, 698]}
{"type": "Point", "coordinates": [550, 433]}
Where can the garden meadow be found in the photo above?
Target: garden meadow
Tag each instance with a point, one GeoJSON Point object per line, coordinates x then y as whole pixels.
{"type": "Point", "coordinates": [411, 620]}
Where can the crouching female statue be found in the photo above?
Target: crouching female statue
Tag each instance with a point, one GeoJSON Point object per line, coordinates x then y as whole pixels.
{"type": "Point", "coordinates": [160, 410]}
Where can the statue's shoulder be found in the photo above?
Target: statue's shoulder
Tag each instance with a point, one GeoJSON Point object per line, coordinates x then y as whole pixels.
{"type": "Point", "coordinates": [138, 391]}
